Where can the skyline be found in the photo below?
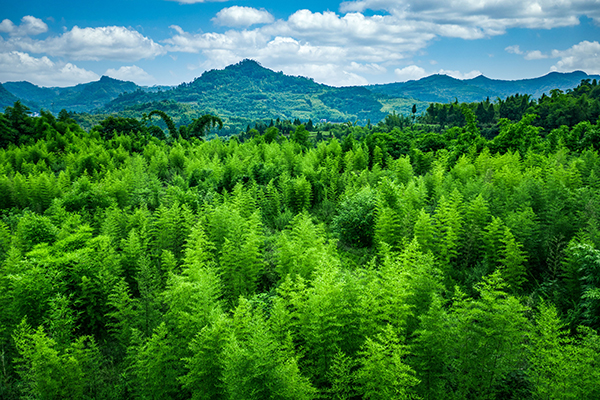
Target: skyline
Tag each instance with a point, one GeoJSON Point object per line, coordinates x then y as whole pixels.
{"type": "Point", "coordinates": [161, 42]}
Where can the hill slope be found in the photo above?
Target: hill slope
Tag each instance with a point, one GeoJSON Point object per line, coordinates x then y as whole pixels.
{"type": "Point", "coordinates": [445, 89]}
{"type": "Point", "coordinates": [249, 91]}
{"type": "Point", "coordinates": [6, 97]}
{"type": "Point", "coordinates": [84, 97]}
{"type": "Point", "coordinates": [246, 92]}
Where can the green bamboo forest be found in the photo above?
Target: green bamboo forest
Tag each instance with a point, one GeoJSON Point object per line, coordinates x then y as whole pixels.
{"type": "Point", "coordinates": [449, 254]}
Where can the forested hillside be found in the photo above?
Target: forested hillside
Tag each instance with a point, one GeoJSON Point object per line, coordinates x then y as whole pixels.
{"type": "Point", "coordinates": [247, 92]}
{"type": "Point", "coordinates": [445, 89]}
{"type": "Point", "coordinates": [6, 98]}
{"type": "Point", "coordinates": [81, 98]}
{"type": "Point", "coordinates": [412, 258]}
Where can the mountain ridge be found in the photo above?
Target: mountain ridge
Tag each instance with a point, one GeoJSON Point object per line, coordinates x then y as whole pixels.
{"type": "Point", "coordinates": [246, 91]}
{"type": "Point", "coordinates": [250, 91]}
{"type": "Point", "coordinates": [439, 88]}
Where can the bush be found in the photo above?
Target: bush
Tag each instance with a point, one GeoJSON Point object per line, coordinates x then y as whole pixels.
{"type": "Point", "coordinates": [355, 222]}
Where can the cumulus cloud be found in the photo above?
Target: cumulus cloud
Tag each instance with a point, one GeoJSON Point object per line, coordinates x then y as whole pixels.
{"type": "Point", "coordinates": [237, 16]}
{"type": "Point", "coordinates": [354, 43]}
{"type": "Point", "coordinates": [514, 49]}
{"type": "Point", "coordinates": [371, 68]}
{"type": "Point", "coordinates": [18, 66]}
{"type": "Point", "coordinates": [582, 56]}
{"type": "Point", "coordinates": [412, 72]}
{"type": "Point", "coordinates": [529, 55]}
{"type": "Point", "coordinates": [103, 43]}
{"type": "Point", "coordinates": [535, 55]}
{"type": "Point", "coordinates": [30, 26]}
{"type": "Point", "coordinates": [131, 73]}
{"type": "Point", "coordinates": [460, 75]}
{"type": "Point", "coordinates": [351, 45]}
{"type": "Point", "coordinates": [356, 30]}
{"type": "Point", "coordinates": [490, 17]}
{"type": "Point", "coordinates": [330, 74]}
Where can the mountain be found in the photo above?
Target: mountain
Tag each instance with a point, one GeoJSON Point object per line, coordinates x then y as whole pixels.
{"type": "Point", "coordinates": [445, 89]}
{"type": "Point", "coordinates": [433, 89]}
{"type": "Point", "coordinates": [535, 86]}
{"type": "Point", "coordinates": [6, 97]}
{"type": "Point", "coordinates": [247, 91]}
{"type": "Point", "coordinates": [84, 97]}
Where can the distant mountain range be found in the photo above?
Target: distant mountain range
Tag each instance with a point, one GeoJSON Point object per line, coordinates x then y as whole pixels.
{"type": "Point", "coordinates": [84, 97]}
{"type": "Point", "coordinates": [246, 91]}
{"type": "Point", "coordinates": [445, 89]}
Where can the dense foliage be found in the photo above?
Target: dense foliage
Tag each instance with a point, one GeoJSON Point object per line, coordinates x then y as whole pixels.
{"type": "Point", "coordinates": [389, 261]}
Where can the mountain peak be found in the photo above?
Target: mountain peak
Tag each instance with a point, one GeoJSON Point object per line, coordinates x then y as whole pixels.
{"type": "Point", "coordinates": [246, 63]}
{"type": "Point", "coordinates": [108, 79]}
{"type": "Point", "coordinates": [248, 67]}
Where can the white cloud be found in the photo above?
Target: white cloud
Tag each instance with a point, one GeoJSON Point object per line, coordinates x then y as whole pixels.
{"type": "Point", "coordinates": [529, 55]}
{"type": "Point", "coordinates": [131, 73]}
{"type": "Point", "coordinates": [237, 16]}
{"type": "Point", "coordinates": [535, 55]}
{"type": "Point", "coordinates": [331, 74]}
{"type": "Point", "coordinates": [412, 72]}
{"type": "Point", "coordinates": [459, 75]}
{"type": "Point", "coordinates": [371, 68]}
{"type": "Point", "coordinates": [18, 66]}
{"type": "Point", "coordinates": [582, 56]}
{"type": "Point", "coordinates": [359, 44]}
{"type": "Point", "coordinates": [7, 26]}
{"type": "Point", "coordinates": [355, 30]}
{"type": "Point", "coordinates": [491, 17]}
{"type": "Point", "coordinates": [30, 26]}
{"type": "Point", "coordinates": [514, 49]}
{"type": "Point", "coordinates": [354, 43]}
{"type": "Point", "coordinates": [103, 43]}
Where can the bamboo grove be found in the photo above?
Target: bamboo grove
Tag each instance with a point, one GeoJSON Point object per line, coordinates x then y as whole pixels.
{"type": "Point", "coordinates": [389, 261]}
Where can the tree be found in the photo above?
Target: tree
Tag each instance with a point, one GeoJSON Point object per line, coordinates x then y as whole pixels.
{"type": "Point", "coordinates": [204, 378]}
{"type": "Point", "coordinates": [513, 259]}
{"type": "Point", "coordinates": [424, 231]}
{"type": "Point", "coordinates": [559, 366]}
{"type": "Point", "coordinates": [449, 221]}
{"type": "Point", "coordinates": [355, 222]}
{"type": "Point", "coordinates": [301, 247]}
{"type": "Point", "coordinates": [489, 339]}
{"type": "Point", "coordinates": [50, 373]}
{"type": "Point", "coordinates": [155, 366]}
{"type": "Point", "coordinates": [20, 122]}
{"type": "Point", "coordinates": [168, 121]}
{"type": "Point", "coordinates": [255, 366]}
{"type": "Point", "coordinates": [199, 126]}
{"type": "Point", "coordinates": [301, 136]}
{"type": "Point", "coordinates": [519, 136]}
{"type": "Point", "coordinates": [240, 259]}
{"type": "Point", "coordinates": [118, 125]}
{"type": "Point", "coordinates": [271, 134]}
{"type": "Point", "coordinates": [383, 374]}
{"type": "Point", "coordinates": [8, 134]}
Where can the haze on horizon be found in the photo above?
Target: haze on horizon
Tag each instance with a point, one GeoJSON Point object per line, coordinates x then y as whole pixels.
{"type": "Point", "coordinates": [160, 42]}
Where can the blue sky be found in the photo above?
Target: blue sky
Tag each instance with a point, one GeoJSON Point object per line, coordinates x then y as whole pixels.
{"type": "Point", "coordinates": [356, 42]}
